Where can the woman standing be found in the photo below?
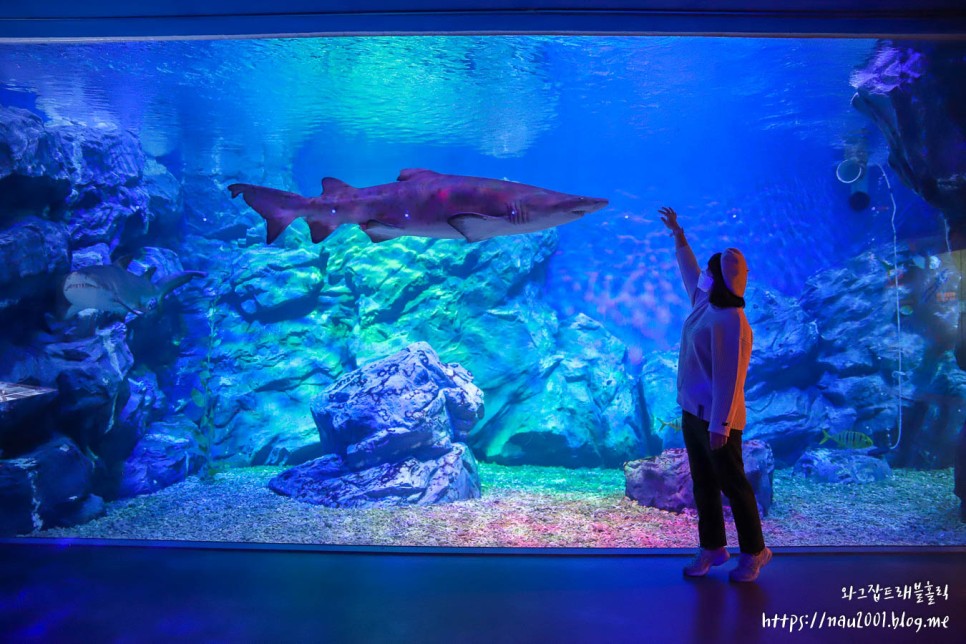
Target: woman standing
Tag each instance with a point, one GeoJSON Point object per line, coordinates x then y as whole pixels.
{"type": "Point", "coordinates": [715, 350]}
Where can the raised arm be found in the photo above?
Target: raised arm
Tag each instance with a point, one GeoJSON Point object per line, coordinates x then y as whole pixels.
{"type": "Point", "coordinates": [687, 262]}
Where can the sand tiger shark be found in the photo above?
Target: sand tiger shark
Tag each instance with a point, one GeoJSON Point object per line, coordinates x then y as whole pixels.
{"type": "Point", "coordinates": [113, 288]}
{"type": "Point", "coordinates": [421, 203]}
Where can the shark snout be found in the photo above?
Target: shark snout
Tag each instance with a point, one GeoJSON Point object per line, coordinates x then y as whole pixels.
{"type": "Point", "coordinates": [587, 205]}
{"type": "Point", "coordinates": [580, 206]}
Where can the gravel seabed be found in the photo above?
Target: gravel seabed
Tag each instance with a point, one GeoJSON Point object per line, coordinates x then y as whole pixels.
{"type": "Point", "coordinates": [528, 506]}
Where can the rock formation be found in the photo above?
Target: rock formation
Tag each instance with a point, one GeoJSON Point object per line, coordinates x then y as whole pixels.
{"type": "Point", "coordinates": [392, 434]}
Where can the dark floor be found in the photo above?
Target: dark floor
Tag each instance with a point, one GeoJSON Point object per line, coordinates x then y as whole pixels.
{"type": "Point", "coordinates": [144, 593]}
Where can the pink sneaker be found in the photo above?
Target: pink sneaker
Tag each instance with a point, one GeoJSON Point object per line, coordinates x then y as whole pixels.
{"type": "Point", "coordinates": [750, 565]}
{"type": "Point", "coordinates": [702, 562]}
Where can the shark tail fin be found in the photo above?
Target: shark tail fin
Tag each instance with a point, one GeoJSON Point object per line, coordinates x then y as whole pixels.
{"type": "Point", "coordinates": [277, 207]}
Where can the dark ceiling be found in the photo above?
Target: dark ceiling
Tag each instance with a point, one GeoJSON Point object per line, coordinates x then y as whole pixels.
{"type": "Point", "coordinates": [212, 18]}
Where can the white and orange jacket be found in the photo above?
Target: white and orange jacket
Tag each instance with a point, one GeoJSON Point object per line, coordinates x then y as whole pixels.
{"type": "Point", "coordinates": [715, 352]}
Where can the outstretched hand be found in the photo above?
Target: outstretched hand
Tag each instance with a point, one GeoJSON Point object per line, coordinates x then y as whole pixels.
{"type": "Point", "coordinates": [670, 219]}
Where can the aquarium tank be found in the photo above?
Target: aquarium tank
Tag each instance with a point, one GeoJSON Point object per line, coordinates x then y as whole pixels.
{"type": "Point", "coordinates": [415, 290]}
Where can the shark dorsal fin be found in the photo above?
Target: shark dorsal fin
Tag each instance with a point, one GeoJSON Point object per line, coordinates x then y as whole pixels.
{"type": "Point", "coordinates": [123, 261]}
{"type": "Point", "coordinates": [331, 186]}
{"type": "Point", "coordinates": [150, 272]}
{"type": "Point", "coordinates": [410, 173]}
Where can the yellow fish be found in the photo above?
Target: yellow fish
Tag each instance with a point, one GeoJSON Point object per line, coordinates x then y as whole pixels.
{"type": "Point", "coordinates": [674, 424]}
{"type": "Point", "coordinates": [848, 439]}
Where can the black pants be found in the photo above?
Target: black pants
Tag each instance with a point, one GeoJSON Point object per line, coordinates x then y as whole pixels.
{"type": "Point", "coordinates": [714, 472]}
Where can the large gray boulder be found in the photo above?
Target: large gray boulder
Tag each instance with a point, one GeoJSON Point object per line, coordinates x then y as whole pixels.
{"type": "Point", "coordinates": [167, 454]}
{"type": "Point", "coordinates": [390, 407]}
{"type": "Point", "coordinates": [841, 466]}
{"type": "Point", "coordinates": [392, 433]}
{"type": "Point", "coordinates": [450, 475]}
{"type": "Point", "coordinates": [45, 488]}
{"type": "Point", "coordinates": [664, 481]}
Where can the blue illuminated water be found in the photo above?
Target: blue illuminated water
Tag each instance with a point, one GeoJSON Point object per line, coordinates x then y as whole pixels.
{"type": "Point", "coordinates": [740, 135]}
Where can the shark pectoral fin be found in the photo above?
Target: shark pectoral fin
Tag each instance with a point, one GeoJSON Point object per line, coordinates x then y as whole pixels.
{"type": "Point", "coordinates": [379, 231]}
{"type": "Point", "coordinates": [125, 305]}
{"type": "Point", "coordinates": [473, 226]}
